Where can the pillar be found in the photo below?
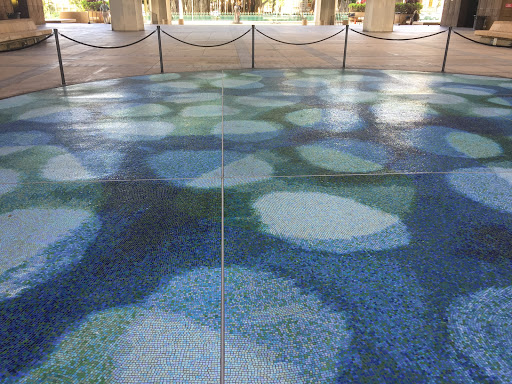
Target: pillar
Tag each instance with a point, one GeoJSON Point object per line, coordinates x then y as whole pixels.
{"type": "Point", "coordinates": [324, 12]}
{"type": "Point", "coordinates": [379, 16]}
{"type": "Point", "coordinates": [160, 10]}
{"type": "Point", "coordinates": [126, 15]}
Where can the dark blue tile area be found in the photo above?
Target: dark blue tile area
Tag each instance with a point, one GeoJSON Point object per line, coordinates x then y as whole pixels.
{"type": "Point", "coordinates": [408, 308]}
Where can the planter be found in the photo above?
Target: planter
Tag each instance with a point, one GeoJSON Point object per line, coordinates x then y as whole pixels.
{"type": "Point", "coordinates": [80, 17]}
{"type": "Point", "coordinates": [402, 18]}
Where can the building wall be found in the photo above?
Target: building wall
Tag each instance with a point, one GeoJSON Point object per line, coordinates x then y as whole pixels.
{"type": "Point", "coordinates": [36, 11]}
{"type": "Point", "coordinates": [492, 9]}
{"type": "Point", "coordinates": [29, 9]}
{"type": "Point", "coordinates": [5, 8]}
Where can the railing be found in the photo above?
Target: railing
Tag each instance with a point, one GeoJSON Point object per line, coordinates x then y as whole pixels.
{"type": "Point", "coordinates": [159, 31]}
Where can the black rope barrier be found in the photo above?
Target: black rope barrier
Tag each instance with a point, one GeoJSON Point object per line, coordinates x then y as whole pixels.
{"type": "Point", "coordinates": [28, 46]}
{"type": "Point", "coordinates": [313, 42]}
{"type": "Point", "coordinates": [479, 42]}
{"type": "Point", "coordinates": [410, 38]}
{"type": "Point", "coordinates": [97, 46]}
{"type": "Point", "coordinates": [206, 46]}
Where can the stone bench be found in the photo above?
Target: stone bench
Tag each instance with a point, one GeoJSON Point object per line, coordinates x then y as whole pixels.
{"type": "Point", "coordinates": [500, 30]}
{"type": "Point", "coordinates": [19, 33]}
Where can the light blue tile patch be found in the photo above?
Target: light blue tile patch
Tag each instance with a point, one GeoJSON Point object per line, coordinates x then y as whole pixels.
{"type": "Point", "coordinates": [319, 221]}
{"type": "Point", "coordinates": [489, 186]}
{"type": "Point", "coordinates": [135, 130]}
{"type": "Point", "coordinates": [37, 243]}
{"type": "Point", "coordinates": [196, 97]}
{"type": "Point", "coordinates": [208, 111]}
{"type": "Point", "coordinates": [57, 114]}
{"type": "Point", "coordinates": [308, 82]}
{"type": "Point", "coordinates": [248, 131]}
{"type": "Point", "coordinates": [332, 119]}
{"type": "Point", "coordinates": [480, 327]}
{"type": "Point", "coordinates": [303, 339]}
{"type": "Point", "coordinates": [451, 142]}
{"type": "Point", "coordinates": [138, 110]}
{"type": "Point", "coordinates": [468, 90]}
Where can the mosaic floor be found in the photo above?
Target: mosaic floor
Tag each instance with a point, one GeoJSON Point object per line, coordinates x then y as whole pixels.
{"type": "Point", "coordinates": [368, 229]}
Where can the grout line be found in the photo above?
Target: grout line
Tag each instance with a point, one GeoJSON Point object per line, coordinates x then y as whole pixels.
{"type": "Point", "coordinates": [222, 280]}
{"type": "Point", "coordinates": [223, 177]}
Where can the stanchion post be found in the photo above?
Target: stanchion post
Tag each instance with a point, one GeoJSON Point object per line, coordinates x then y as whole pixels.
{"type": "Point", "coordinates": [446, 50]}
{"type": "Point", "coordinates": [56, 34]}
{"type": "Point", "coordinates": [160, 49]}
{"type": "Point", "coordinates": [345, 49]}
{"type": "Point", "coordinates": [253, 46]}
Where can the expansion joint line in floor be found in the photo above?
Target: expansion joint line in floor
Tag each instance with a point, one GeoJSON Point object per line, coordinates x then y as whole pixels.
{"type": "Point", "coordinates": [222, 281]}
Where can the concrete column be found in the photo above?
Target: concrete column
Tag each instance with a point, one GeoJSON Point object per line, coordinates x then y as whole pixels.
{"type": "Point", "coordinates": [324, 12]}
{"type": "Point", "coordinates": [126, 15]}
{"type": "Point", "coordinates": [160, 10]}
{"type": "Point", "coordinates": [379, 16]}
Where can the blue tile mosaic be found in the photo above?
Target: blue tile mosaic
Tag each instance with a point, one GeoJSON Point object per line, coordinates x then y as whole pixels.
{"type": "Point", "coordinates": [368, 229]}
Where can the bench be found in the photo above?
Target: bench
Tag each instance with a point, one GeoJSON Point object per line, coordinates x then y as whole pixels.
{"type": "Point", "coordinates": [19, 33]}
{"type": "Point", "coordinates": [500, 30]}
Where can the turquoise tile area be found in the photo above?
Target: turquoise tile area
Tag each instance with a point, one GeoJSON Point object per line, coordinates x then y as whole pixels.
{"type": "Point", "coordinates": [367, 229]}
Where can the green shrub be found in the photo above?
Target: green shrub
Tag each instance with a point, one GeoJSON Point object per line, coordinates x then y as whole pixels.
{"type": "Point", "coordinates": [357, 7]}
{"type": "Point", "coordinates": [87, 5]}
{"type": "Point", "coordinates": [408, 8]}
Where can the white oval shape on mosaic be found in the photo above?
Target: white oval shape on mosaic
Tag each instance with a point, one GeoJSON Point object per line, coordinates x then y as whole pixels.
{"type": "Point", "coordinates": [305, 117]}
{"type": "Point", "coordinates": [209, 75]}
{"type": "Point", "coordinates": [248, 170]}
{"type": "Point", "coordinates": [185, 98]}
{"type": "Point", "coordinates": [308, 82]}
{"type": "Point", "coordinates": [337, 160]}
{"type": "Point", "coordinates": [332, 119]}
{"type": "Point", "coordinates": [4, 151]}
{"type": "Point", "coordinates": [480, 327]}
{"type": "Point", "coordinates": [234, 83]}
{"type": "Point", "coordinates": [501, 101]}
{"type": "Point", "coordinates": [102, 97]}
{"type": "Point", "coordinates": [346, 95]}
{"type": "Point", "coordinates": [268, 310]}
{"type": "Point", "coordinates": [64, 115]}
{"type": "Point", "coordinates": [264, 102]}
{"type": "Point", "coordinates": [24, 138]}
{"type": "Point", "coordinates": [65, 168]}
{"type": "Point", "coordinates": [135, 130]}
{"type": "Point", "coordinates": [491, 112]}
{"type": "Point", "coordinates": [16, 101]}
{"type": "Point", "coordinates": [141, 110]}
{"type": "Point", "coordinates": [172, 86]}
{"type": "Point", "coordinates": [437, 98]}
{"type": "Point", "coordinates": [493, 190]}
{"type": "Point", "coordinates": [208, 111]}
{"type": "Point", "coordinates": [400, 111]}
{"type": "Point", "coordinates": [320, 221]}
{"type": "Point", "coordinates": [8, 180]}
{"type": "Point", "coordinates": [451, 142]}
{"type": "Point", "coordinates": [26, 232]}
{"type": "Point", "coordinates": [476, 91]}
{"type": "Point", "coordinates": [473, 145]}
{"type": "Point", "coordinates": [187, 352]}
{"type": "Point", "coordinates": [248, 130]}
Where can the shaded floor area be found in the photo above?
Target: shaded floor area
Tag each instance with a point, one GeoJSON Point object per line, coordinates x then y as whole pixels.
{"type": "Point", "coordinates": [367, 222]}
{"type": "Point", "coordinates": [37, 68]}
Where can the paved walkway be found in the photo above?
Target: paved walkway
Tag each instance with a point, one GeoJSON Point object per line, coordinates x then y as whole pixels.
{"type": "Point", "coordinates": [37, 68]}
